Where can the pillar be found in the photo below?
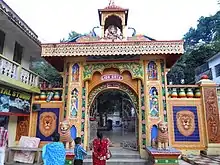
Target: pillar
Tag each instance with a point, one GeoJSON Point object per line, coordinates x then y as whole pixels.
{"type": "Point", "coordinates": [211, 115]}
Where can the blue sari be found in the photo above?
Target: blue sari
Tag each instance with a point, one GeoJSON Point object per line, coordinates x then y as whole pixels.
{"type": "Point", "coordinates": [54, 154]}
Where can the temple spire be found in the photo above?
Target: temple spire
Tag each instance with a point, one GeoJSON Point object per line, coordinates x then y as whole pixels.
{"type": "Point", "coordinates": [111, 2]}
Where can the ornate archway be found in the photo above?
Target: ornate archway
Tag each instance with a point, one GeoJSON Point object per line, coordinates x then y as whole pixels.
{"type": "Point", "coordinates": [113, 85]}
{"type": "Point", "coordinates": [129, 97]}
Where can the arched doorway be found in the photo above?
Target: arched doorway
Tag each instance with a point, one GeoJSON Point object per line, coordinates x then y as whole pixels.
{"type": "Point", "coordinates": [113, 110]}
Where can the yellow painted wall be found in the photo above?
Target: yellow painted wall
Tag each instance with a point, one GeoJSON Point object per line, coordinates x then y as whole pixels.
{"type": "Point", "coordinates": [186, 145]}
{"type": "Point", "coordinates": [12, 126]}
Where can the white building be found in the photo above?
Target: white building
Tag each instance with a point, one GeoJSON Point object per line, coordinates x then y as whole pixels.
{"type": "Point", "coordinates": [214, 65]}
{"type": "Point", "coordinates": [211, 68]}
{"type": "Point", "coordinates": [18, 43]}
{"type": "Point", "coordinates": [116, 119]}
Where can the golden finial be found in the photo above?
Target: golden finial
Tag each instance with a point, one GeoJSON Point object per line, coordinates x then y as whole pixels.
{"type": "Point", "coordinates": [111, 2]}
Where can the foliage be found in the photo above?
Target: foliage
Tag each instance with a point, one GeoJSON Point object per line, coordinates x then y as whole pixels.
{"type": "Point", "coordinates": [201, 43]}
{"type": "Point", "coordinates": [208, 30]}
{"type": "Point", "coordinates": [44, 69]}
{"type": "Point", "coordinates": [71, 36]}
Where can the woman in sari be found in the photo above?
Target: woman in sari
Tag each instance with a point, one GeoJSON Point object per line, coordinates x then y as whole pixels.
{"type": "Point", "coordinates": [54, 153]}
{"type": "Point", "coordinates": [101, 151]}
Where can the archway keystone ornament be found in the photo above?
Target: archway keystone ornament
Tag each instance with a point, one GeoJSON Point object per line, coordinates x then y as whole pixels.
{"type": "Point", "coordinates": [135, 68]}
{"type": "Point", "coordinates": [113, 85]}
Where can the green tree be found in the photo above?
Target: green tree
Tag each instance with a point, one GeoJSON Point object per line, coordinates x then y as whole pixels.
{"type": "Point", "coordinates": [208, 30]}
{"type": "Point", "coordinates": [45, 70]}
{"type": "Point", "coordinates": [201, 43]}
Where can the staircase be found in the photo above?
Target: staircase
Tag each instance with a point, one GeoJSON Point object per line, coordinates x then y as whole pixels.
{"type": "Point", "coordinates": [120, 156]}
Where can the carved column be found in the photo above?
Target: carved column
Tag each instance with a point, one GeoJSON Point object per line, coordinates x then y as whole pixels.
{"type": "Point", "coordinates": [211, 116]}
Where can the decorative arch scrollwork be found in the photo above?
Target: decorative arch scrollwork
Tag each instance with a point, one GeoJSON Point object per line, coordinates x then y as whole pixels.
{"type": "Point", "coordinates": [107, 86]}
{"type": "Point", "coordinates": [136, 69]}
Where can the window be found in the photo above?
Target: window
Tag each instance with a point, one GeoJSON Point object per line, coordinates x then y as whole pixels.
{"type": "Point", "coordinates": [217, 70]}
{"type": "Point", "coordinates": [18, 53]}
{"type": "Point", "coordinates": [2, 40]}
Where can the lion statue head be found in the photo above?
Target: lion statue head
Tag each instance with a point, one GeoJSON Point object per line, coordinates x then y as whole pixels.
{"type": "Point", "coordinates": [64, 126]}
{"type": "Point", "coordinates": [162, 126]}
{"type": "Point", "coordinates": [47, 124]}
{"type": "Point", "coordinates": [185, 122]}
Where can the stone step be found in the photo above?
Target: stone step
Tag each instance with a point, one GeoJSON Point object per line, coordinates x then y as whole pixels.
{"type": "Point", "coordinates": [114, 161]}
{"type": "Point", "coordinates": [121, 155]}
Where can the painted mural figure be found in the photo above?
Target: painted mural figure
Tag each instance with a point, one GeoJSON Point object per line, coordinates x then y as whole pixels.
{"type": "Point", "coordinates": [152, 70]}
{"type": "Point", "coordinates": [154, 107]}
{"type": "Point", "coordinates": [75, 73]}
{"type": "Point", "coordinates": [113, 32]}
{"type": "Point", "coordinates": [74, 103]}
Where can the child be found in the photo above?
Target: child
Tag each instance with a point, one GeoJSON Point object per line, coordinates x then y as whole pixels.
{"type": "Point", "coordinates": [79, 152]}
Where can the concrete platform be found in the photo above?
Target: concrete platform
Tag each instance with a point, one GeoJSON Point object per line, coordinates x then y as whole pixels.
{"type": "Point", "coordinates": [120, 156]}
{"type": "Point", "coordinates": [161, 157]}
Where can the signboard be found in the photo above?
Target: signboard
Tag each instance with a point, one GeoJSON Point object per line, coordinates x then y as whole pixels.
{"type": "Point", "coordinates": [112, 85]}
{"type": "Point", "coordinates": [111, 77]}
{"type": "Point", "coordinates": [14, 101]}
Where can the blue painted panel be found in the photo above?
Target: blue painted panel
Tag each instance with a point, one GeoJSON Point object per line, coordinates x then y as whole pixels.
{"type": "Point", "coordinates": [73, 132]}
{"type": "Point", "coordinates": [154, 132]}
{"type": "Point", "coordinates": [195, 137]}
{"type": "Point", "coordinates": [56, 112]}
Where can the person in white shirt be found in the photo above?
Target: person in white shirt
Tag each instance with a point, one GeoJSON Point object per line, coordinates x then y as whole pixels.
{"type": "Point", "coordinates": [3, 142]}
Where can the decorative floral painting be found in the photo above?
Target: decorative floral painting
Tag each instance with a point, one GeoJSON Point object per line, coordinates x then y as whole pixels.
{"type": "Point", "coordinates": [154, 103]}
{"type": "Point", "coordinates": [74, 103]}
{"type": "Point", "coordinates": [75, 73]}
{"type": "Point", "coordinates": [152, 70]}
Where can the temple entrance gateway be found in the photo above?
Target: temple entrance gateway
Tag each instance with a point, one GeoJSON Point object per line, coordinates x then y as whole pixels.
{"type": "Point", "coordinates": [114, 113]}
{"type": "Point", "coordinates": [134, 68]}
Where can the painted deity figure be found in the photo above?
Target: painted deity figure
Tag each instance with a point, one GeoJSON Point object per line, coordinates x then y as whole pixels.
{"type": "Point", "coordinates": [154, 107]}
{"type": "Point", "coordinates": [75, 73]}
{"type": "Point", "coordinates": [74, 103]}
{"type": "Point", "coordinates": [113, 32]}
{"type": "Point", "coordinates": [152, 70]}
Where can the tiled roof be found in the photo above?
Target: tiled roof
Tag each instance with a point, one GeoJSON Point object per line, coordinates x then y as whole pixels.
{"type": "Point", "coordinates": [112, 48]}
{"type": "Point", "coordinates": [5, 9]}
{"type": "Point", "coordinates": [114, 7]}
